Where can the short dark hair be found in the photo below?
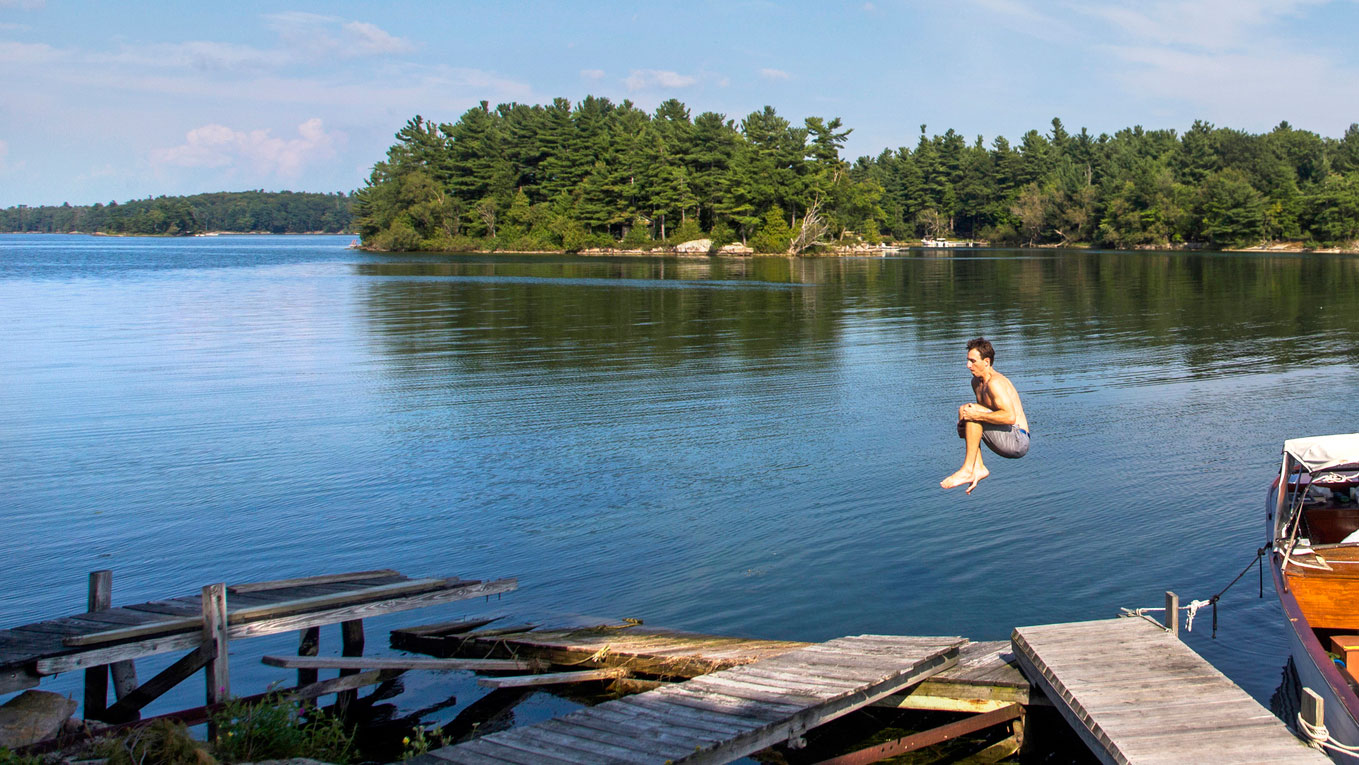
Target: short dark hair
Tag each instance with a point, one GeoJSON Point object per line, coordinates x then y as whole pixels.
{"type": "Point", "coordinates": [983, 346]}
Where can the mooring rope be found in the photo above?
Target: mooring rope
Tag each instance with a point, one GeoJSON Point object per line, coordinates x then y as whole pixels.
{"type": "Point", "coordinates": [1193, 607]}
{"type": "Point", "coordinates": [1318, 736]}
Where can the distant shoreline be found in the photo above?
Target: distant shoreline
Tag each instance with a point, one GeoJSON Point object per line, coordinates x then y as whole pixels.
{"type": "Point", "coordinates": [179, 236]}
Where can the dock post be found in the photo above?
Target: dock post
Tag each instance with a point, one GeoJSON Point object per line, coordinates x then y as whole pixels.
{"type": "Point", "coordinates": [97, 678]}
{"type": "Point", "coordinates": [215, 630]}
{"type": "Point", "coordinates": [308, 646]}
{"type": "Point", "coordinates": [1172, 613]}
{"type": "Point", "coordinates": [1314, 715]}
{"type": "Point", "coordinates": [352, 634]}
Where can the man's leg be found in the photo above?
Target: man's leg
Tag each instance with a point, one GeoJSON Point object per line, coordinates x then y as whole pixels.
{"type": "Point", "coordinates": [973, 469]}
{"type": "Point", "coordinates": [976, 466]}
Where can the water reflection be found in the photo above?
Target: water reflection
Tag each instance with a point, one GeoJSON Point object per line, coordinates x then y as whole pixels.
{"type": "Point", "coordinates": [1189, 315]}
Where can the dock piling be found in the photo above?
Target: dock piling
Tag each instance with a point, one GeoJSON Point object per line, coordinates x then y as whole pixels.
{"type": "Point", "coordinates": [97, 678]}
{"type": "Point", "coordinates": [215, 634]}
{"type": "Point", "coordinates": [1172, 613]}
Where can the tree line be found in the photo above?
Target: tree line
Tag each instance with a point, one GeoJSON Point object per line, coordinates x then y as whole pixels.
{"type": "Point", "coordinates": [281, 212]}
{"type": "Point", "coordinates": [598, 174]}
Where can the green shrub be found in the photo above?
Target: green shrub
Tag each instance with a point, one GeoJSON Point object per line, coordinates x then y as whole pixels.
{"type": "Point", "coordinates": [421, 741]}
{"type": "Point", "coordinates": [687, 232]}
{"type": "Point", "coordinates": [775, 236]}
{"type": "Point", "coordinates": [276, 730]}
{"type": "Point", "coordinates": [722, 234]}
{"type": "Point", "coordinates": [637, 238]}
{"type": "Point", "coordinates": [10, 758]}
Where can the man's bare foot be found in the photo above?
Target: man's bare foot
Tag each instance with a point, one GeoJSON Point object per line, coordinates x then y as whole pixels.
{"type": "Point", "coordinates": [976, 479]}
{"type": "Point", "coordinates": [958, 479]}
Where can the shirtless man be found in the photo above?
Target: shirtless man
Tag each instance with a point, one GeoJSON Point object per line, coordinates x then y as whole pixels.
{"type": "Point", "coordinates": [997, 419]}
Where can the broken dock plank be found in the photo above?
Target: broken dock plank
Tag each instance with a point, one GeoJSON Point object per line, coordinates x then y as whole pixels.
{"type": "Point", "coordinates": [1136, 693]}
{"type": "Point", "coordinates": [986, 677]}
{"type": "Point", "coordinates": [552, 678]}
{"type": "Point", "coordinates": [649, 650]}
{"type": "Point", "coordinates": [724, 715]}
{"type": "Point", "coordinates": [397, 662]}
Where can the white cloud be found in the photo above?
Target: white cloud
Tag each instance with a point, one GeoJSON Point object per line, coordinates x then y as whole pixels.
{"type": "Point", "coordinates": [28, 53]}
{"type": "Point", "coordinates": [1231, 86]}
{"type": "Point", "coordinates": [643, 79]}
{"type": "Point", "coordinates": [220, 146]}
{"type": "Point", "coordinates": [774, 74]}
{"type": "Point", "coordinates": [199, 54]}
{"type": "Point", "coordinates": [4, 154]}
{"type": "Point", "coordinates": [1218, 25]}
{"type": "Point", "coordinates": [8, 26]}
{"type": "Point", "coordinates": [592, 74]}
{"type": "Point", "coordinates": [369, 39]}
{"type": "Point", "coordinates": [312, 35]}
{"type": "Point", "coordinates": [869, 7]}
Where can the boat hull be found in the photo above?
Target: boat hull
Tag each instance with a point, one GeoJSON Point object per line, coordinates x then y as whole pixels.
{"type": "Point", "coordinates": [1318, 672]}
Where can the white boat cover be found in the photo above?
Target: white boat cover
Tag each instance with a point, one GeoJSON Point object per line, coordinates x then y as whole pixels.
{"type": "Point", "coordinates": [1322, 452]}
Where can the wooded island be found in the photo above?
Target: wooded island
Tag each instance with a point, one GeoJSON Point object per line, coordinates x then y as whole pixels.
{"type": "Point", "coordinates": [251, 212]}
{"type": "Point", "coordinates": [598, 174]}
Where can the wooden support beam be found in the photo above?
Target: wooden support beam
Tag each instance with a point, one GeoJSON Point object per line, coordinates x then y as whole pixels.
{"type": "Point", "coordinates": [928, 738]}
{"type": "Point", "coordinates": [343, 684]}
{"type": "Point", "coordinates": [552, 678]}
{"type": "Point", "coordinates": [18, 679]}
{"type": "Point", "coordinates": [279, 584]}
{"type": "Point", "coordinates": [351, 634]}
{"type": "Point", "coordinates": [127, 708]}
{"type": "Point", "coordinates": [124, 678]}
{"type": "Point", "coordinates": [308, 646]}
{"type": "Point", "coordinates": [396, 662]}
{"type": "Point", "coordinates": [97, 678]}
{"type": "Point", "coordinates": [215, 635]}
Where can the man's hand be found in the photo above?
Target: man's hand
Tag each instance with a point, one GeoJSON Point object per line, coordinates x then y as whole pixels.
{"type": "Point", "coordinates": [968, 411]}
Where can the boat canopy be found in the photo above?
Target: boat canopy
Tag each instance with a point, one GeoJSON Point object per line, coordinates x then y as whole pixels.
{"type": "Point", "coordinates": [1322, 452]}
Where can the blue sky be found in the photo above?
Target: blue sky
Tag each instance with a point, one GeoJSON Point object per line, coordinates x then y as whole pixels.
{"type": "Point", "coordinates": [105, 100]}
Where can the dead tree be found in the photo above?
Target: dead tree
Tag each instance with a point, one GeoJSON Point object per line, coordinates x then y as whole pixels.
{"type": "Point", "coordinates": [813, 227]}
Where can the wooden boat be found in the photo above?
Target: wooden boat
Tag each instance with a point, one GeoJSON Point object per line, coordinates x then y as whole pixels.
{"type": "Point", "coordinates": [1313, 524]}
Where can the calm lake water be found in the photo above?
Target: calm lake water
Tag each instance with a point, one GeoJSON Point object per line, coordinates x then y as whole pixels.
{"type": "Point", "coordinates": [746, 447]}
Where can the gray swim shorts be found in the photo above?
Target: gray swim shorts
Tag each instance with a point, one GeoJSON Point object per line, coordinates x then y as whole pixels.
{"type": "Point", "coordinates": [1006, 440]}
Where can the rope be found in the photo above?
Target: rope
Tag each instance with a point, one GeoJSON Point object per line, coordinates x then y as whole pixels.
{"type": "Point", "coordinates": [1193, 608]}
{"type": "Point", "coordinates": [1319, 737]}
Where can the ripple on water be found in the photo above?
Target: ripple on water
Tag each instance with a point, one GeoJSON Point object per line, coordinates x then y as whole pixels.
{"type": "Point", "coordinates": [743, 446]}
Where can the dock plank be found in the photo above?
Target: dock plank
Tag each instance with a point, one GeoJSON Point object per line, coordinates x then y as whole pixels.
{"type": "Point", "coordinates": [165, 628]}
{"type": "Point", "coordinates": [1137, 694]}
{"type": "Point", "coordinates": [739, 710]}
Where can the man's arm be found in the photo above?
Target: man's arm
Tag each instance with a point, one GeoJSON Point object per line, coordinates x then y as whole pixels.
{"type": "Point", "coordinates": [1003, 396]}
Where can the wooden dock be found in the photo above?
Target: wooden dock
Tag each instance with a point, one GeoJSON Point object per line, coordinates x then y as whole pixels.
{"type": "Point", "coordinates": [1136, 694]}
{"type": "Point", "coordinates": [724, 715]}
{"type": "Point", "coordinates": [986, 677]}
{"type": "Point", "coordinates": [105, 639]}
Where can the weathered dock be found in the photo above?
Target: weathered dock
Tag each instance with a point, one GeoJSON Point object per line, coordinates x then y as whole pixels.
{"type": "Point", "coordinates": [985, 678]}
{"type": "Point", "coordinates": [724, 715]}
{"type": "Point", "coordinates": [1136, 694]}
{"type": "Point", "coordinates": [106, 640]}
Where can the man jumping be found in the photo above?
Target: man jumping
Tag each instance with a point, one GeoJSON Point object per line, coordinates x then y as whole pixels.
{"type": "Point", "coordinates": [996, 419]}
